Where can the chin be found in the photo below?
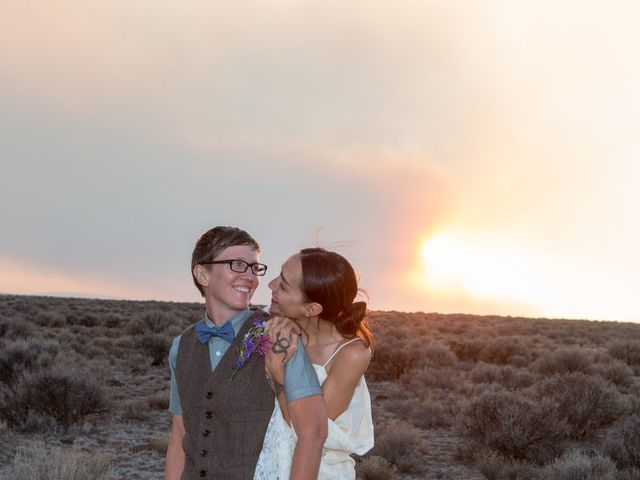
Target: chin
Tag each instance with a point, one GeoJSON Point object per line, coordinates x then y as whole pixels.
{"type": "Point", "coordinates": [241, 305]}
{"type": "Point", "coordinates": [274, 309]}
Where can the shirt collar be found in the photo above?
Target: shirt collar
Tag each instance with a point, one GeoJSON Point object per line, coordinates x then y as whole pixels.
{"type": "Point", "coordinates": [237, 320]}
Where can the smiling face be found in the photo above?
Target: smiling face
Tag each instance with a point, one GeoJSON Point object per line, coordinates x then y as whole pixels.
{"type": "Point", "coordinates": [227, 292]}
{"type": "Point", "coordinates": [287, 298]}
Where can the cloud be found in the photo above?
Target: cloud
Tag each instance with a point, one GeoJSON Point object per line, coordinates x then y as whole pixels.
{"type": "Point", "coordinates": [129, 127]}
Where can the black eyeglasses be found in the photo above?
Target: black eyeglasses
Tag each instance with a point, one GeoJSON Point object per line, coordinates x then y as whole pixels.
{"type": "Point", "coordinates": [240, 266]}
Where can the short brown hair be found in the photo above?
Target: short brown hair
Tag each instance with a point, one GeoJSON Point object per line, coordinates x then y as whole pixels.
{"type": "Point", "coordinates": [212, 242]}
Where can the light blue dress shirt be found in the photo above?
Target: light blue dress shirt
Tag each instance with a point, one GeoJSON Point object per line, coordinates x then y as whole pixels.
{"type": "Point", "coordinates": [300, 377]}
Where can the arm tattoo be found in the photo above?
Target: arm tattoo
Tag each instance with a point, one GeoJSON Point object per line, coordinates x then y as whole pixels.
{"type": "Point", "coordinates": [277, 387]}
{"type": "Point", "coordinates": [281, 345]}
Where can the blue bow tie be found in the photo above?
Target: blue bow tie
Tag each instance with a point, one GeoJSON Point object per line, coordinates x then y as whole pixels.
{"type": "Point", "coordinates": [205, 332]}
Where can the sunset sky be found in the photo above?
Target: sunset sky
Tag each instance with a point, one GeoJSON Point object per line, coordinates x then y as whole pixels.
{"type": "Point", "coordinates": [467, 156]}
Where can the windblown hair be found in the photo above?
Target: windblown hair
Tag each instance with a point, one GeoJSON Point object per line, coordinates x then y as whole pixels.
{"type": "Point", "coordinates": [329, 279]}
{"type": "Point", "coordinates": [214, 241]}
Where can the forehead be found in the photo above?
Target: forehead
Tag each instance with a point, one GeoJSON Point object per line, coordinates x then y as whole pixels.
{"type": "Point", "coordinates": [292, 270]}
{"type": "Point", "coordinates": [242, 252]}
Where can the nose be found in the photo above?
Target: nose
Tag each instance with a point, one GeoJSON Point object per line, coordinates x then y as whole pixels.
{"type": "Point", "coordinates": [272, 284]}
{"type": "Point", "coordinates": [247, 275]}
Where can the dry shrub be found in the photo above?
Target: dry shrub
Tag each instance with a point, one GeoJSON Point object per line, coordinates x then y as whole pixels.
{"type": "Point", "coordinates": [36, 422]}
{"type": "Point", "coordinates": [135, 409]}
{"type": "Point", "coordinates": [505, 350]}
{"type": "Point", "coordinates": [50, 319]}
{"type": "Point", "coordinates": [135, 326]}
{"type": "Point", "coordinates": [63, 393]}
{"type": "Point", "coordinates": [506, 375]}
{"type": "Point", "coordinates": [629, 474]}
{"type": "Point", "coordinates": [585, 402]}
{"type": "Point", "coordinates": [624, 444]}
{"type": "Point", "coordinates": [103, 342]}
{"type": "Point", "coordinates": [375, 468]}
{"type": "Point", "coordinates": [500, 351]}
{"type": "Point", "coordinates": [424, 413]}
{"type": "Point", "coordinates": [436, 354]}
{"type": "Point", "coordinates": [159, 443]}
{"type": "Point", "coordinates": [37, 462]}
{"type": "Point", "coordinates": [400, 444]}
{"type": "Point", "coordinates": [12, 328]}
{"type": "Point", "coordinates": [94, 351]}
{"type": "Point", "coordinates": [631, 438]}
{"type": "Point", "coordinates": [563, 360]}
{"type": "Point", "coordinates": [155, 346]}
{"type": "Point", "coordinates": [390, 361]}
{"type": "Point", "coordinates": [159, 401]}
{"type": "Point", "coordinates": [23, 356]}
{"type": "Point", "coordinates": [158, 321]}
{"type": "Point", "coordinates": [467, 351]}
{"type": "Point", "coordinates": [418, 380]}
{"type": "Point", "coordinates": [85, 319]}
{"type": "Point", "coordinates": [124, 343]}
{"type": "Point", "coordinates": [615, 371]}
{"type": "Point", "coordinates": [432, 413]}
{"type": "Point", "coordinates": [113, 320]}
{"type": "Point", "coordinates": [513, 425]}
{"type": "Point", "coordinates": [626, 350]}
{"type": "Point", "coordinates": [518, 470]}
{"type": "Point", "coordinates": [575, 464]}
{"type": "Point", "coordinates": [488, 462]}
{"type": "Point", "coordinates": [139, 363]}
{"type": "Point", "coordinates": [173, 331]}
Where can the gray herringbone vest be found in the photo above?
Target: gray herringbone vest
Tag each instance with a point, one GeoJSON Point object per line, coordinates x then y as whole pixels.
{"type": "Point", "coordinates": [225, 420]}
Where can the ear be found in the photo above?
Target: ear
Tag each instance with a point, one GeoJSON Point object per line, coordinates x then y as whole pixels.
{"type": "Point", "coordinates": [201, 274]}
{"type": "Point", "coordinates": [313, 309]}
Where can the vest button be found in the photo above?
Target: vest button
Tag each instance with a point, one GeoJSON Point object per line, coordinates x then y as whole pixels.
{"type": "Point", "coordinates": [209, 414]}
{"type": "Point", "coordinates": [203, 453]}
{"type": "Point", "coordinates": [209, 394]}
{"type": "Point", "coordinates": [203, 473]}
{"type": "Point", "coordinates": [205, 433]}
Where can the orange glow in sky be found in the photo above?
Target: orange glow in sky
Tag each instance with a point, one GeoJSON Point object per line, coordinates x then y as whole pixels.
{"type": "Point", "coordinates": [485, 269]}
{"type": "Point", "coordinates": [475, 157]}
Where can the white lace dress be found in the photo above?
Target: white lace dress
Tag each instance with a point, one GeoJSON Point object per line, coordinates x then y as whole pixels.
{"type": "Point", "coordinates": [351, 432]}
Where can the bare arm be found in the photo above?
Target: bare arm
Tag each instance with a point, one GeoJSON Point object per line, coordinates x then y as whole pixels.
{"type": "Point", "coordinates": [174, 460]}
{"type": "Point", "coordinates": [309, 420]}
{"type": "Point", "coordinates": [275, 373]}
{"type": "Point", "coordinates": [345, 372]}
{"type": "Point", "coordinates": [284, 335]}
{"type": "Point", "coordinates": [307, 415]}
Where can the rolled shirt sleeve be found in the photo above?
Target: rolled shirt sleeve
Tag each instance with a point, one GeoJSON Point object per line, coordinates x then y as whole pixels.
{"type": "Point", "coordinates": [174, 399]}
{"type": "Point", "coordinates": [300, 378]}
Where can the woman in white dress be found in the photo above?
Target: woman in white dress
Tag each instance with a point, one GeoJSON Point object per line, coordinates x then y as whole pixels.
{"type": "Point", "coordinates": [316, 289]}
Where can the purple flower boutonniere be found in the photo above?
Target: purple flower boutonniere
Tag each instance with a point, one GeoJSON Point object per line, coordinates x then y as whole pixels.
{"type": "Point", "coordinates": [256, 340]}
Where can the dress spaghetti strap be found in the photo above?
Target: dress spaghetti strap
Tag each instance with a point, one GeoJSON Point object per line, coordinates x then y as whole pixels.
{"type": "Point", "coordinates": [340, 348]}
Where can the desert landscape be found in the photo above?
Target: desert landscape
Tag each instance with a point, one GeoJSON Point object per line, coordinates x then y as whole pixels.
{"type": "Point", "coordinates": [84, 393]}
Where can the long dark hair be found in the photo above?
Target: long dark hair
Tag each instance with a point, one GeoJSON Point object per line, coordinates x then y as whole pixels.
{"type": "Point", "coordinates": [329, 279]}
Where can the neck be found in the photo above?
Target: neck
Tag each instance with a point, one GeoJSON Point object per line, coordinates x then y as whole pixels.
{"type": "Point", "coordinates": [318, 330]}
{"type": "Point", "coordinates": [219, 314]}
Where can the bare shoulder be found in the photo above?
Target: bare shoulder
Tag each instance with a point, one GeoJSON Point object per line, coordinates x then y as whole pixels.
{"type": "Point", "coordinates": [355, 357]}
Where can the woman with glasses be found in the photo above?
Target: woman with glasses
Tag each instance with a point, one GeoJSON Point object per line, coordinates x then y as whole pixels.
{"type": "Point", "coordinates": [220, 412]}
{"type": "Point", "coordinates": [316, 290]}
